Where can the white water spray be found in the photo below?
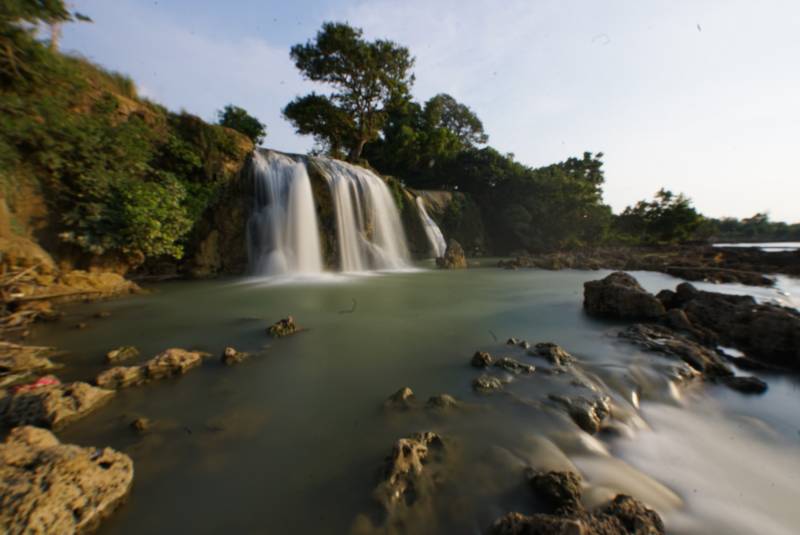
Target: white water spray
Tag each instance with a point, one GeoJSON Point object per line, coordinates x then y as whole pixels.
{"type": "Point", "coordinates": [283, 235]}
{"type": "Point", "coordinates": [432, 230]}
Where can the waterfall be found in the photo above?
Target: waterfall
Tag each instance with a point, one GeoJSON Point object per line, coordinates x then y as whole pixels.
{"type": "Point", "coordinates": [432, 230]}
{"type": "Point", "coordinates": [282, 232]}
{"type": "Point", "coordinates": [369, 230]}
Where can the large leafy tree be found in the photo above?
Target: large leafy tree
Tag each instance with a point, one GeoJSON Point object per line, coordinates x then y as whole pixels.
{"type": "Point", "coordinates": [238, 119]}
{"type": "Point", "coordinates": [667, 218]}
{"type": "Point", "coordinates": [364, 75]}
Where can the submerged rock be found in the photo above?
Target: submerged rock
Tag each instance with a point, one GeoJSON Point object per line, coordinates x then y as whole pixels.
{"type": "Point", "coordinates": [49, 487]}
{"type": "Point", "coordinates": [283, 327]}
{"type": "Point", "coordinates": [454, 257]}
{"type": "Point", "coordinates": [561, 493]}
{"type": "Point", "coordinates": [230, 356]}
{"type": "Point", "coordinates": [481, 359]}
{"type": "Point", "coordinates": [141, 425]}
{"type": "Point", "coordinates": [514, 366]}
{"type": "Point", "coordinates": [121, 377]}
{"type": "Point", "coordinates": [121, 354]}
{"type": "Point", "coordinates": [173, 361]}
{"type": "Point", "coordinates": [402, 399]}
{"type": "Point", "coordinates": [745, 385]}
{"type": "Point", "coordinates": [442, 401]}
{"type": "Point", "coordinates": [620, 296]}
{"type": "Point", "coordinates": [554, 353]}
{"type": "Point", "coordinates": [52, 406]}
{"type": "Point", "coordinates": [487, 383]}
{"type": "Point", "coordinates": [588, 414]}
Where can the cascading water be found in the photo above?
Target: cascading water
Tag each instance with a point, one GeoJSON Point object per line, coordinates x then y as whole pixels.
{"type": "Point", "coordinates": [432, 230]}
{"type": "Point", "coordinates": [369, 230]}
{"type": "Point", "coordinates": [282, 233]}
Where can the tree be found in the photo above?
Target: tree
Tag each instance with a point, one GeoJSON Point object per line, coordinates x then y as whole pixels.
{"type": "Point", "coordinates": [365, 76]}
{"type": "Point", "coordinates": [667, 218]}
{"type": "Point", "coordinates": [238, 119]}
{"type": "Point", "coordinates": [445, 112]}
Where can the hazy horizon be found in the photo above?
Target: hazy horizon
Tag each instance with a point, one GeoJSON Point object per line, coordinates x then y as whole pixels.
{"type": "Point", "coordinates": [696, 97]}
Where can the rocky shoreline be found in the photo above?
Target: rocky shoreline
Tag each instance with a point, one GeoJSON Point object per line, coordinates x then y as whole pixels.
{"type": "Point", "coordinates": [750, 266]}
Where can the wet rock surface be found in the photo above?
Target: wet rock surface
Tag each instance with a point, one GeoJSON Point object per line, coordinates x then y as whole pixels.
{"type": "Point", "coordinates": [231, 356]}
{"type": "Point", "coordinates": [16, 358]}
{"type": "Point", "coordinates": [442, 401]}
{"type": "Point", "coordinates": [403, 399]}
{"type": "Point", "coordinates": [52, 406]}
{"type": "Point", "coordinates": [553, 353]}
{"type": "Point", "coordinates": [620, 296]}
{"type": "Point", "coordinates": [283, 327]}
{"type": "Point", "coordinates": [172, 362]}
{"type": "Point", "coordinates": [560, 492]}
{"type": "Point", "coordinates": [514, 366]}
{"type": "Point", "coordinates": [454, 257]}
{"type": "Point", "coordinates": [482, 359]}
{"type": "Point", "coordinates": [49, 487]}
{"type": "Point", "coordinates": [487, 383]}
{"type": "Point", "coordinates": [121, 354]}
{"type": "Point", "coordinates": [588, 413]}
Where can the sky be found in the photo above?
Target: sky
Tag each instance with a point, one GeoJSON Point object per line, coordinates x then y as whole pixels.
{"type": "Point", "coordinates": [697, 96]}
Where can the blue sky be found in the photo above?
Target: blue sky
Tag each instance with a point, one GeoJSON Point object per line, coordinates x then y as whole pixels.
{"type": "Point", "coordinates": [699, 96]}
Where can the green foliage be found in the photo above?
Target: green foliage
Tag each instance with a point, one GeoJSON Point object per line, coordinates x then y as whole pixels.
{"type": "Point", "coordinates": [241, 121]}
{"type": "Point", "coordinates": [462, 221]}
{"type": "Point", "coordinates": [668, 218]}
{"type": "Point", "coordinates": [365, 77]}
{"type": "Point", "coordinates": [750, 229]}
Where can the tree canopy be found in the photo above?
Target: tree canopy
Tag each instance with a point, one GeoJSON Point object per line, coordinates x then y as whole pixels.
{"type": "Point", "coordinates": [364, 75]}
{"type": "Point", "coordinates": [238, 119]}
{"type": "Point", "coordinates": [667, 218]}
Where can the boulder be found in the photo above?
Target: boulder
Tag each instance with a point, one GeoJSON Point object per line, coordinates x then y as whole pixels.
{"type": "Point", "coordinates": [442, 401]}
{"type": "Point", "coordinates": [487, 383]}
{"type": "Point", "coordinates": [553, 353]}
{"type": "Point", "coordinates": [745, 385]}
{"type": "Point", "coordinates": [454, 257]}
{"type": "Point", "coordinates": [481, 359]}
{"type": "Point", "coordinates": [283, 327]}
{"type": "Point", "coordinates": [141, 425]}
{"type": "Point", "coordinates": [514, 366]}
{"type": "Point", "coordinates": [121, 354]}
{"type": "Point", "coordinates": [619, 296]}
{"type": "Point", "coordinates": [173, 361]}
{"type": "Point", "coordinates": [52, 406]}
{"type": "Point", "coordinates": [49, 487]}
{"type": "Point", "coordinates": [121, 377]}
{"type": "Point", "coordinates": [588, 413]}
{"type": "Point", "coordinates": [18, 358]}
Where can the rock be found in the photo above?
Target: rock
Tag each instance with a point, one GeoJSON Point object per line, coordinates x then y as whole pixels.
{"type": "Point", "coordinates": [52, 406]}
{"type": "Point", "coordinates": [561, 493]}
{"type": "Point", "coordinates": [173, 361]}
{"type": "Point", "coordinates": [282, 328]}
{"type": "Point", "coordinates": [402, 399]}
{"type": "Point", "coordinates": [230, 356]}
{"type": "Point", "coordinates": [554, 353]}
{"type": "Point", "coordinates": [141, 425]}
{"type": "Point", "coordinates": [487, 383]}
{"type": "Point", "coordinates": [514, 366]}
{"type": "Point", "coordinates": [512, 341]}
{"type": "Point", "coordinates": [453, 258]}
{"type": "Point", "coordinates": [121, 377]}
{"type": "Point", "coordinates": [745, 385]}
{"type": "Point", "coordinates": [620, 296]}
{"type": "Point", "coordinates": [481, 359]}
{"type": "Point", "coordinates": [588, 414]}
{"type": "Point", "coordinates": [667, 342]}
{"type": "Point", "coordinates": [121, 353]}
{"type": "Point", "coordinates": [18, 358]}
{"type": "Point", "coordinates": [408, 473]}
{"type": "Point", "coordinates": [442, 401]}
{"type": "Point", "coordinates": [49, 487]}
{"type": "Point", "coordinates": [102, 314]}
{"type": "Point", "coordinates": [524, 344]}
{"type": "Point", "coordinates": [81, 326]}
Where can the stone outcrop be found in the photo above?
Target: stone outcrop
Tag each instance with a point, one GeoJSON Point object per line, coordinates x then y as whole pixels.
{"type": "Point", "coordinates": [560, 493]}
{"type": "Point", "coordinates": [169, 363]}
{"type": "Point", "coordinates": [588, 413]}
{"type": "Point", "coordinates": [283, 327]}
{"type": "Point", "coordinates": [553, 353]}
{"type": "Point", "coordinates": [19, 358]}
{"type": "Point", "coordinates": [514, 366]}
{"type": "Point", "coordinates": [454, 257]}
{"type": "Point", "coordinates": [620, 296]}
{"type": "Point", "coordinates": [121, 354]}
{"type": "Point", "coordinates": [487, 383]}
{"type": "Point", "coordinates": [230, 356]}
{"type": "Point", "coordinates": [49, 487]}
{"type": "Point", "coordinates": [482, 359]}
{"type": "Point", "coordinates": [52, 406]}
{"type": "Point", "coordinates": [403, 399]}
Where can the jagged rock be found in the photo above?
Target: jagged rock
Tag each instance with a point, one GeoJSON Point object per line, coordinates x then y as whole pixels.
{"type": "Point", "coordinates": [745, 385]}
{"type": "Point", "coordinates": [141, 425]}
{"type": "Point", "coordinates": [173, 361]}
{"type": "Point", "coordinates": [17, 358]}
{"type": "Point", "coordinates": [554, 353]}
{"type": "Point", "coordinates": [481, 359]}
{"type": "Point", "coordinates": [442, 401]}
{"type": "Point", "coordinates": [230, 356]}
{"type": "Point", "coordinates": [512, 341]}
{"type": "Point", "coordinates": [665, 341]}
{"type": "Point", "coordinates": [402, 399]}
{"type": "Point", "coordinates": [408, 475]}
{"type": "Point", "coordinates": [283, 327]}
{"type": "Point", "coordinates": [487, 383]}
{"type": "Point", "coordinates": [52, 406]}
{"type": "Point", "coordinates": [49, 487]}
{"type": "Point", "coordinates": [561, 493]}
{"type": "Point", "coordinates": [121, 354]}
{"type": "Point", "coordinates": [620, 296]}
{"type": "Point", "coordinates": [454, 257]}
{"type": "Point", "coordinates": [588, 414]}
{"type": "Point", "coordinates": [121, 377]}
{"type": "Point", "coordinates": [514, 366]}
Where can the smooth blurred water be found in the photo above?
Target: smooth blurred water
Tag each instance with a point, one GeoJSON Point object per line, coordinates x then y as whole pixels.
{"type": "Point", "coordinates": [291, 440]}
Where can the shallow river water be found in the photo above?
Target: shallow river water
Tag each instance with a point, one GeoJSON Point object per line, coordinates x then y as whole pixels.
{"type": "Point", "coordinates": [292, 440]}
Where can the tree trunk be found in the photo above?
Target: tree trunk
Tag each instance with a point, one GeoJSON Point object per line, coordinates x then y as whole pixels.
{"type": "Point", "coordinates": [355, 152]}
